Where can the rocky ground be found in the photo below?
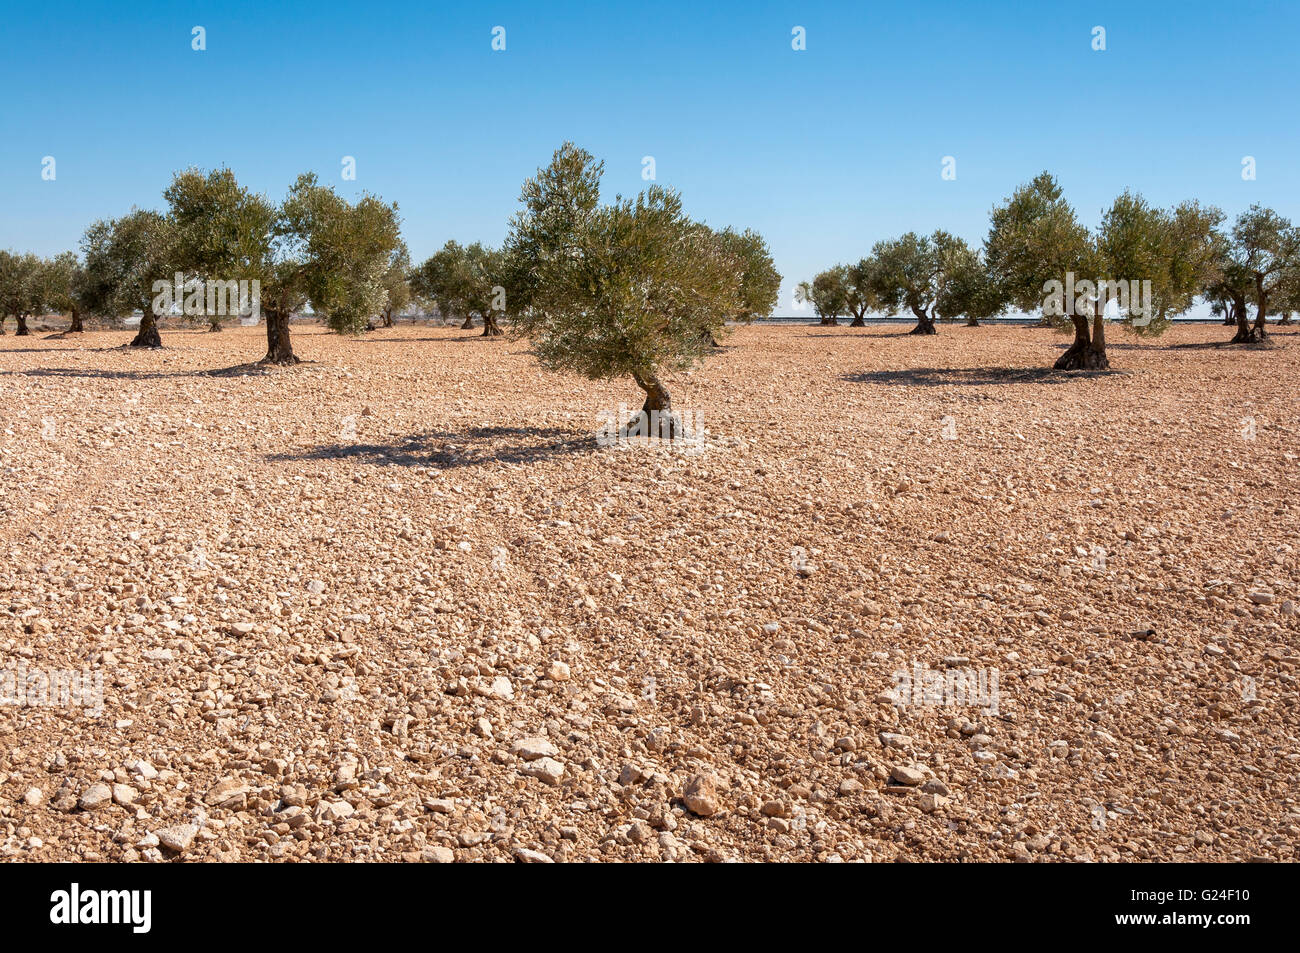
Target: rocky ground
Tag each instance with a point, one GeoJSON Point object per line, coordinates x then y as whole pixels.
{"type": "Point", "coordinates": [396, 603]}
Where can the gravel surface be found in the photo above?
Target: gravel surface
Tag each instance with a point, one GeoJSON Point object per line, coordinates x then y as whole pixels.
{"type": "Point", "coordinates": [397, 604]}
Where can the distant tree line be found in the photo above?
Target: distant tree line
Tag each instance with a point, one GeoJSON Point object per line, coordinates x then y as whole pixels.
{"type": "Point", "coordinates": [1038, 258]}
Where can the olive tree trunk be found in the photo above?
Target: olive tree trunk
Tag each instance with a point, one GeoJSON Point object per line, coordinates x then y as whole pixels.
{"type": "Point", "coordinates": [148, 335]}
{"type": "Point", "coordinates": [924, 322]}
{"type": "Point", "coordinates": [22, 325]}
{"type": "Point", "coordinates": [656, 418]}
{"type": "Point", "coordinates": [490, 327]}
{"type": "Point", "coordinates": [1245, 333]}
{"type": "Point", "coordinates": [76, 327]}
{"type": "Point", "coordinates": [1088, 352]}
{"type": "Point", "coordinates": [279, 349]}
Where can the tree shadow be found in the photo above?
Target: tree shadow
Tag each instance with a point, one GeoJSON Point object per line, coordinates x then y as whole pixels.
{"type": "Point", "coordinates": [237, 370]}
{"type": "Point", "coordinates": [454, 449]}
{"type": "Point", "coordinates": [1263, 345]}
{"type": "Point", "coordinates": [101, 374]}
{"type": "Point", "coordinates": [843, 333]}
{"type": "Point", "coordinates": [971, 376]}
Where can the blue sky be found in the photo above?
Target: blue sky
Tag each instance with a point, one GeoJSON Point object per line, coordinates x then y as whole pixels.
{"type": "Point", "coordinates": [824, 151]}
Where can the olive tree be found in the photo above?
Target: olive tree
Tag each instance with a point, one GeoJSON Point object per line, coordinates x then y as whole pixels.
{"type": "Point", "coordinates": [1142, 266]}
{"type": "Point", "coordinates": [124, 258]}
{"type": "Point", "coordinates": [397, 287]}
{"type": "Point", "coordinates": [1263, 252]}
{"type": "Point", "coordinates": [916, 272]}
{"type": "Point", "coordinates": [627, 289]}
{"type": "Point", "coordinates": [760, 282]}
{"type": "Point", "coordinates": [20, 288]}
{"type": "Point", "coordinates": [63, 283]}
{"type": "Point", "coordinates": [1035, 239]}
{"type": "Point", "coordinates": [465, 280]}
{"type": "Point", "coordinates": [221, 233]}
{"type": "Point", "coordinates": [828, 293]}
{"type": "Point", "coordinates": [970, 291]}
{"type": "Point", "coordinates": [332, 252]}
{"type": "Point", "coordinates": [860, 293]}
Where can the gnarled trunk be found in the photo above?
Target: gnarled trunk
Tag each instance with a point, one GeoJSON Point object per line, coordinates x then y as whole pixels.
{"type": "Point", "coordinates": [490, 327]}
{"type": "Point", "coordinates": [1088, 352]}
{"type": "Point", "coordinates": [469, 323]}
{"type": "Point", "coordinates": [831, 320]}
{"type": "Point", "coordinates": [1245, 333]}
{"type": "Point", "coordinates": [656, 418]}
{"type": "Point", "coordinates": [924, 323]}
{"type": "Point", "coordinates": [1261, 312]}
{"type": "Point", "coordinates": [22, 325]}
{"type": "Point", "coordinates": [279, 349]}
{"type": "Point", "coordinates": [148, 335]}
{"type": "Point", "coordinates": [76, 327]}
{"type": "Point", "coordinates": [972, 322]}
{"type": "Point", "coordinates": [859, 321]}
{"type": "Point", "coordinates": [388, 318]}
{"type": "Point", "coordinates": [1284, 318]}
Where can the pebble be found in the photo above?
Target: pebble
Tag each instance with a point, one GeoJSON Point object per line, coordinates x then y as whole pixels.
{"type": "Point", "coordinates": [530, 749]}
{"type": "Point", "coordinates": [547, 770]}
{"type": "Point", "coordinates": [178, 837]}
{"type": "Point", "coordinates": [95, 797]}
{"type": "Point", "coordinates": [701, 795]}
{"type": "Point", "coordinates": [906, 776]}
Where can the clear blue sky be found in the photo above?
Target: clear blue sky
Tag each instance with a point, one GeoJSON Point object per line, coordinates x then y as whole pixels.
{"type": "Point", "coordinates": [824, 151]}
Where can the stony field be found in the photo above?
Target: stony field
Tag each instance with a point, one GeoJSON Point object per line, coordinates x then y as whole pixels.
{"type": "Point", "coordinates": [397, 604]}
